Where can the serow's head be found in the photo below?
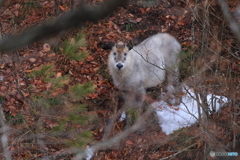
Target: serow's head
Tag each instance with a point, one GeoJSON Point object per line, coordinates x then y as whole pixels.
{"type": "Point", "coordinates": [119, 53]}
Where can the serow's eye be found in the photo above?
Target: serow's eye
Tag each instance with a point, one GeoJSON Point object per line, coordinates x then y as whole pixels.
{"type": "Point", "coordinates": [114, 54]}
{"type": "Point", "coordinates": [125, 54]}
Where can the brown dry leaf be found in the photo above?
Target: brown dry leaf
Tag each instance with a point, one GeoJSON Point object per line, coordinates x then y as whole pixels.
{"type": "Point", "coordinates": [72, 41]}
{"type": "Point", "coordinates": [167, 16]}
{"type": "Point", "coordinates": [199, 143]}
{"type": "Point", "coordinates": [128, 37]}
{"type": "Point", "coordinates": [46, 47]}
{"type": "Point", "coordinates": [89, 58]}
{"type": "Point", "coordinates": [96, 69]}
{"type": "Point", "coordinates": [95, 133]}
{"type": "Point", "coordinates": [32, 60]}
{"type": "Point", "coordinates": [209, 80]}
{"type": "Point", "coordinates": [87, 66]}
{"type": "Point", "coordinates": [48, 85]}
{"type": "Point", "coordinates": [51, 125]}
{"type": "Point", "coordinates": [148, 9]}
{"type": "Point", "coordinates": [182, 23]}
{"type": "Point", "coordinates": [173, 17]}
{"type": "Point", "coordinates": [138, 19]}
{"type": "Point", "coordinates": [116, 27]}
{"type": "Point", "coordinates": [63, 8]}
{"type": "Point", "coordinates": [30, 70]}
{"type": "Point", "coordinates": [57, 92]}
{"type": "Point", "coordinates": [103, 112]}
{"type": "Point", "coordinates": [2, 65]}
{"type": "Point", "coordinates": [48, 5]}
{"type": "Point", "coordinates": [59, 74]}
{"type": "Point", "coordinates": [25, 94]}
{"type": "Point", "coordinates": [92, 96]}
{"type": "Point", "coordinates": [22, 83]}
{"type": "Point", "coordinates": [164, 30]}
{"type": "Point", "coordinates": [112, 18]}
{"type": "Point", "coordinates": [163, 18]}
{"type": "Point", "coordinates": [130, 15]}
{"type": "Point", "coordinates": [142, 10]}
{"type": "Point", "coordinates": [187, 43]}
{"type": "Point", "coordinates": [129, 143]}
{"type": "Point", "coordinates": [70, 72]}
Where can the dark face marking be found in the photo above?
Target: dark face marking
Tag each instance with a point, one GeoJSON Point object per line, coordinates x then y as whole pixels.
{"type": "Point", "coordinates": [119, 52]}
{"type": "Point", "coordinates": [119, 57]}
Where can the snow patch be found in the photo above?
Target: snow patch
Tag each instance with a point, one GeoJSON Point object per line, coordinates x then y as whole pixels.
{"type": "Point", "coordinates": [123, 116]}
{"type": "Point", "coordinates": [89, 153]}
{"type": "Point", "coordinates": [187, 113]}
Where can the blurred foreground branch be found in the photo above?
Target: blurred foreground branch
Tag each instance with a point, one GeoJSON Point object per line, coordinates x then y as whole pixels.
{"type": "Point", "coordinates": [232, 24]}
{"type": "Point", "coordinates": [114, 140]}
{"type": "Point", "coordinates": [4, 135]}
{"type": "Point", "coordinates": [67, 21]}
{"type": "Point", "coordinates": [2, 2]}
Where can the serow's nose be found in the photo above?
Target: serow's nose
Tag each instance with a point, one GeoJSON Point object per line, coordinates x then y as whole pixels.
{"type": "Point", "coordinates": [119, 65]}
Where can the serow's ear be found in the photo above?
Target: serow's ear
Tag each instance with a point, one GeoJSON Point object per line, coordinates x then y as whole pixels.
{"type": "Point", "coordinates": [130, 46]}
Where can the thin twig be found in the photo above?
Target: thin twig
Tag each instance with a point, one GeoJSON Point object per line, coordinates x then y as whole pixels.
{"type": "Point", "coordinates": [175, 154]}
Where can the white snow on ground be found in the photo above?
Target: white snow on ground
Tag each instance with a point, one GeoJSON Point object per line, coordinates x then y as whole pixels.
{"type": "Point", "coordinates": [123, 116]}
{"type": "Point", "coordinates": [176, 117]}
{"type": "Point", "coordinates": [89, 153]}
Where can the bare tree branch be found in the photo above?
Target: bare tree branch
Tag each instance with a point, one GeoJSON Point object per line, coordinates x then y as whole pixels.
{"type": "Point", "coordinates": [67, 21]}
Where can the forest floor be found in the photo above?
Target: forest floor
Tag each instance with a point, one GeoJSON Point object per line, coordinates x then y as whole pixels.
{"type": "Point", "coordinates": [132, 24]}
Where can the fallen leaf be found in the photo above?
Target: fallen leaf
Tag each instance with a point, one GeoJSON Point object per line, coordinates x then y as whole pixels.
{"type": "Point", "coordinates": [59, 74]}
{"type": "Point", "coordinates": [148, 9]}
{"type": "Point", "coordinates": [142, 10]}
{"type": "Point", "coordinates": [32, 60]}
{"type": "Point", "coordinates": [173, 17]}
{"type": "Point", "coordinates": [138, 19]}
{"type": "Point", "coordinates": [116, 27]}
{"type": "Point", "coordinates": [63, 8]}
{"type": "Point", "coordinates": [72, 41]}
{"type": "Point", "coordinates": [130, 15]}
{"type": "Point", "coordinates": [164, 30]}
{"type": "Point", "coordinates": [181, 23]}
{"type": "Point", "coordinates": [2, 65]}
{"type": "Point", "coordinates": [48, 85]}
{"type": "Point", "coordinates": [112, 18]}
{"type": "Point", "coordinates": [129, 142]}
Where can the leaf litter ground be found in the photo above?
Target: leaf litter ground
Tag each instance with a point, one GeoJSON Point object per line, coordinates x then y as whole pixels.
{"type": "Point", "coordinates": [130, 24]}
